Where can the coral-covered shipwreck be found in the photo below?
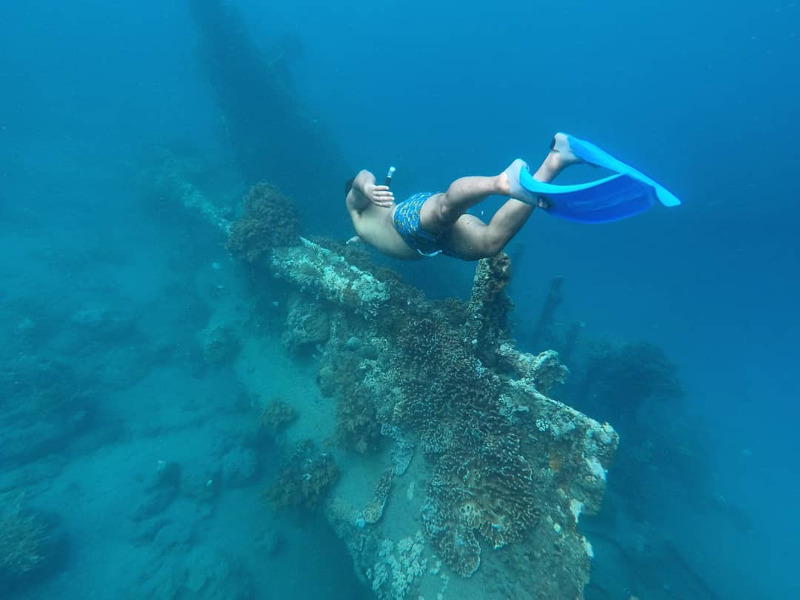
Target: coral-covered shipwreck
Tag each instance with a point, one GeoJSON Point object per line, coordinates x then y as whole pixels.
{"type": "Point", "coordinates": [460, 477]}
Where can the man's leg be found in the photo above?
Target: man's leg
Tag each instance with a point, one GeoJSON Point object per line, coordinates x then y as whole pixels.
{"type": "Point", "coordinates": [441, 211]}
{"type": "Point", "coordinates": [471, 239]}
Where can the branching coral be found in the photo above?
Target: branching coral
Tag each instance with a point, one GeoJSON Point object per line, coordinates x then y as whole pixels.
{"type": "Point", "coordinates": [269, 220]}
{"type": "Point", "coordinates": [305, 478]}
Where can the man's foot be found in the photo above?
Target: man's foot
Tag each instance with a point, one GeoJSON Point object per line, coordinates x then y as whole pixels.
{"type": "Point", "coordinates": [509, 184]}
{"type": "Point", "coordinates": [561, 155]}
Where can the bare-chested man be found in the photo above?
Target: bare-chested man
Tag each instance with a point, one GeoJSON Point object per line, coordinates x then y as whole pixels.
{"type": "Point", "coordinates": [426, 224]}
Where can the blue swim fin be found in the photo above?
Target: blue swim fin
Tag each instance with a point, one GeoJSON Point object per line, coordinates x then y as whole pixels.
{"type": "Point", "coordinates": [597, 156]}
{"type": "Point", "coordinates": [623, 195]}
{"type": "Point", "coordinates": [610, 199]}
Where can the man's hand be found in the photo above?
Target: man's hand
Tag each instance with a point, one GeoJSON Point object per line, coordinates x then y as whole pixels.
{"type": "Point", "coordinates": [379, 195]}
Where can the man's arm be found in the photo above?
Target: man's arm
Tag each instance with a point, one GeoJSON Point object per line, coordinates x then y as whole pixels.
{"type": "Point", "coordinates": [365, 192]}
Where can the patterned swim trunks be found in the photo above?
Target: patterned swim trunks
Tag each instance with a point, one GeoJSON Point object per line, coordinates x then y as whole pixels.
{"type": "Point", "coordinates": [406, 222]}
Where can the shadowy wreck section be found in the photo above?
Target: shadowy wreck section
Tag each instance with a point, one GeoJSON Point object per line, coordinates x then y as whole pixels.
{"type": "Point", "coordinates": [458, 476]}
{"type": "Point", "coordinates": [272, 134]}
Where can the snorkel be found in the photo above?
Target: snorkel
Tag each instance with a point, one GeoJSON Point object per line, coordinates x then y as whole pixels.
{"type": "Point", "coordinates": [388, 181]}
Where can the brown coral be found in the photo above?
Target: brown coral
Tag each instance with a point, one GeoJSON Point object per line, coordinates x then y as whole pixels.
{"type": "Point", "coordinates": [444, 386]}
{"type": "Point", "coordinates": [307, 324]}
{"type": "Point", "coordinates": [489, 306]}
{"type": "Point", "coordinates": [487, 490]}
{"type": "Point", "coordinates": [277, 415]}
{"type": "Point", "coordinates": [269, 220]}
{"type": "Point", "coordinates": [373, 512]}
{"type": "Point", "coordinates": [357, 425]}
{"type": "Point", "coordinates": [305, 478]}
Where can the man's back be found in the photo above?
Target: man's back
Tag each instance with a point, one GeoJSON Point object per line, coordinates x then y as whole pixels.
{"type": "Point", "coordinates": [374, 226]}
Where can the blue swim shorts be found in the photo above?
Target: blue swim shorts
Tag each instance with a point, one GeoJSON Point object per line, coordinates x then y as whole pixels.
{"type": "Point", "coordinates": [406, 222]}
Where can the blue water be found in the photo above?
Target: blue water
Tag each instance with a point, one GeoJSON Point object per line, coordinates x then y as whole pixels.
{"type": "Point", "coordinates": [700, 95]}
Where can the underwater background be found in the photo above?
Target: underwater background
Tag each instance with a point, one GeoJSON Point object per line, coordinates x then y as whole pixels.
{"type": "Point", "coordinates": [105, 389]}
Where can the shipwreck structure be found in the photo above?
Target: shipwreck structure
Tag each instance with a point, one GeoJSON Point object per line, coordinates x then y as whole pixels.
{"type": "Point", "coordinates": [459, 476]}
{"type": "Point", "coordinates": [260, 109]}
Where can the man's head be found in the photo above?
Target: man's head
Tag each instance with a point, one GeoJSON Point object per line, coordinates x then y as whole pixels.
{"type": "Point", "coordinates": [348, 186]}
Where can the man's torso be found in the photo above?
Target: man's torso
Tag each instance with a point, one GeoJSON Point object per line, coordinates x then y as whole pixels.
{"type": "Point", "coordinates": [375, 226]}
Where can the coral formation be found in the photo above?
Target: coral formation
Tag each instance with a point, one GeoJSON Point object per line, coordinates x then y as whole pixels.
{"type": "Point", "coordinates": [473, 425]}
{"type": "Point", "coordinates": [373, 512]}
{"type": "Point", "coordinates": [488, 490]}
{"type": "Point", "coordinates": [442, 386]}
{"type": "Point", "coordinates": [357, 428]}
{"type": "Point", "coordinates": [269, 220]}
{"type": "Point", "coordinates": [506, 467]}
{"type": "Point", "coordinates": [277, 415]}
{"type": "Point", "coordinates": [307, 324]}
{"type": "Point", "coordinates": [24, 541]}
{"type": "Point", "coordinates": [304, 479]}
{"type": "Point", "coordinates": [402, 448]}
{"type": "Point", "coordinates": [45, 404]}
{"type": "Point", "coordinates": [318, 271]}
{"type": "Point", "coordinates": [545, 371]}
{"type": "Point", "coordinates": [489, 306]}
{"type": "Point", "coordinates": [398, 567]}
{"type": "Point", "coordinates": [219, 345]}
{"type": "Point", "coordinates": [342, 514]}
